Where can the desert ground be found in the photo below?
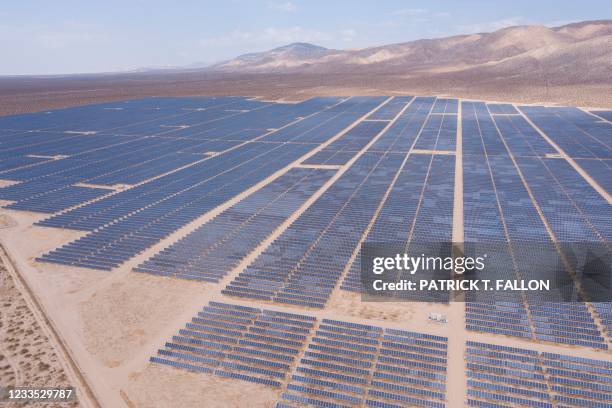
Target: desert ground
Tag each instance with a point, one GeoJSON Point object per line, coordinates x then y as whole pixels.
{"type": "Point", "coordinates": [32, 94]}
{"type": "Point", "coordinates": [27, 354]}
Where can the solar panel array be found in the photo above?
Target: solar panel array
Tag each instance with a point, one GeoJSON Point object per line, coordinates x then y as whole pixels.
{"type": "Point", "coordinates": [558, 187]}
{"type": "Point", "coordinates": [418, 210]}
{"type": "Point", "coordinates": [606, 115]}
{"type": "Point", "coordinates": [330, 157]}
{"type": "Point", "coordinates": [165, 205]}
{"type": "Point", "coordinates": [396, 218]}
{"type": "Point", "coordinates": [444, 105]}
{"type": "Point", "coordinates": [215, 248]}
{"type": "Point", "coordinates": [303, 265]}
{"type": "Point", "coordinates": [604, 311]}
{"type": "Point", "coordinates": [322, 363]}
{"type": "Point", "coordinates": [510, 376]}
{"type": "Point", "coordinates": [401, 135]}
{"type": "Point", "coordinates": [128, 222]}
{"type": "Point", "coordinates": [238, 342]}
{"type": "Point", "coordinates": [575, 213]}
{"type": "Point", "coordinates": [483, 222]}
{"type": "Point", "coordinates": [323, 125]}
{"type": "Point", "coordinates": [404, 218]}
{"type": "Point", "coordinates": [521, 138]}
{"type": "Point", "coordinates": [599, 170]}
{"type": "Point", "coordinates": [343, 149]}
{"type": "Point", "coordinates": [9, 163]}
{"type": "Point", "coordinates": [577, 133]}
{"type": "Point", "coordinates": [498, 208]}
{"type": "Point", "coordinates": [52, 197]}
{"type": "Point", "coordinates": [354, 365]}
{"type": "Point", "coordinates": [128, 144]}
{"type": "Point", "coordinates": [502, 109]}
{"type": "Point", "coordinates": [130, 174]}
{"type": "Point", "coordinates": [439, 133]}
{"type": "Point", "coordinates": [390, 110]}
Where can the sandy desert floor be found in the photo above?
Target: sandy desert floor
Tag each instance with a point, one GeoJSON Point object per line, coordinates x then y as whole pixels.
{"type": "Point", "coordinates": [26, 355]}
{"type": "Point", "coordinates": [18, 95]}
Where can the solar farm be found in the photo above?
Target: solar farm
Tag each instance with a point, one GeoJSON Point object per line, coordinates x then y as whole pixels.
{"type": "Point", "coordinates": [206, 250]}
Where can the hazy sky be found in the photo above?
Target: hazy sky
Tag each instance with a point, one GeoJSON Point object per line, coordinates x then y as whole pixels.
{"type": "Point", "coordinates": [63, 36]}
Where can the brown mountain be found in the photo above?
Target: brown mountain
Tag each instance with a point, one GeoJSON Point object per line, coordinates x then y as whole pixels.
{"type": "Point", "coordinates": [574, 53]}
{"type": "Point", "coordinates": [296, 55]}
{"type": "Point", "coordinates": [570, 65]}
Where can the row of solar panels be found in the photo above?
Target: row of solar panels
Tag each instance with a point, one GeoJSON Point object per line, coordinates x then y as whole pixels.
{"type": "Point", "coordinates": [112, 244]}
{"type": "Point", "coordinates": [582, 136]}
{"type": "Point", "coordinates": [349, 364]}
{"type": "Point", "coordinates": [344, 148]}
{"type": "Point", "coordinates": [418, 206]}
{"type": "Point", "coordinates": [303, 264]}
{"type": "Point", "coordinates": [124, 115]}
{"type": "Point", "coordinates": [338, 362]}
{"type": "Point", "coordinates": [402, 367]}
{"type": "Point", "coordinates": [215, 248]}
{"type": "Point", "coordinates": [500, 374]}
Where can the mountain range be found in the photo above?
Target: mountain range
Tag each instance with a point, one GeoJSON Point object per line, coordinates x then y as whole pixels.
{"type": "Point", "coordinates": [570, 65]}
{"type": "Point", "coordinates": [573, 53]}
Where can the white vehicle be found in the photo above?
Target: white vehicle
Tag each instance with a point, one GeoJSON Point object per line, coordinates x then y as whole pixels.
{"type": "Point", "coordinates": [438, 317]}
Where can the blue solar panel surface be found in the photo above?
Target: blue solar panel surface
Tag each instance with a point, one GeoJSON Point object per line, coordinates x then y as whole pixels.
{"type": "Point", "coordinates": [212, 250]}
{"type": "Point", "coordinates": [130, 175]}
{"type": "Point", "coordinates": [321, 361]}
{"type": "Point", "coordinates": [607, 115]}
{"type": "Point", "coordinates": [524, 377]}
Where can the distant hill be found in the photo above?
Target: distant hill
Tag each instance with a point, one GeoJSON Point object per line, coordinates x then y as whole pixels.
{"type": "Point", "coordinates": [296, 55]}
{"type": "Point", "coordinates": [579, 52]}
